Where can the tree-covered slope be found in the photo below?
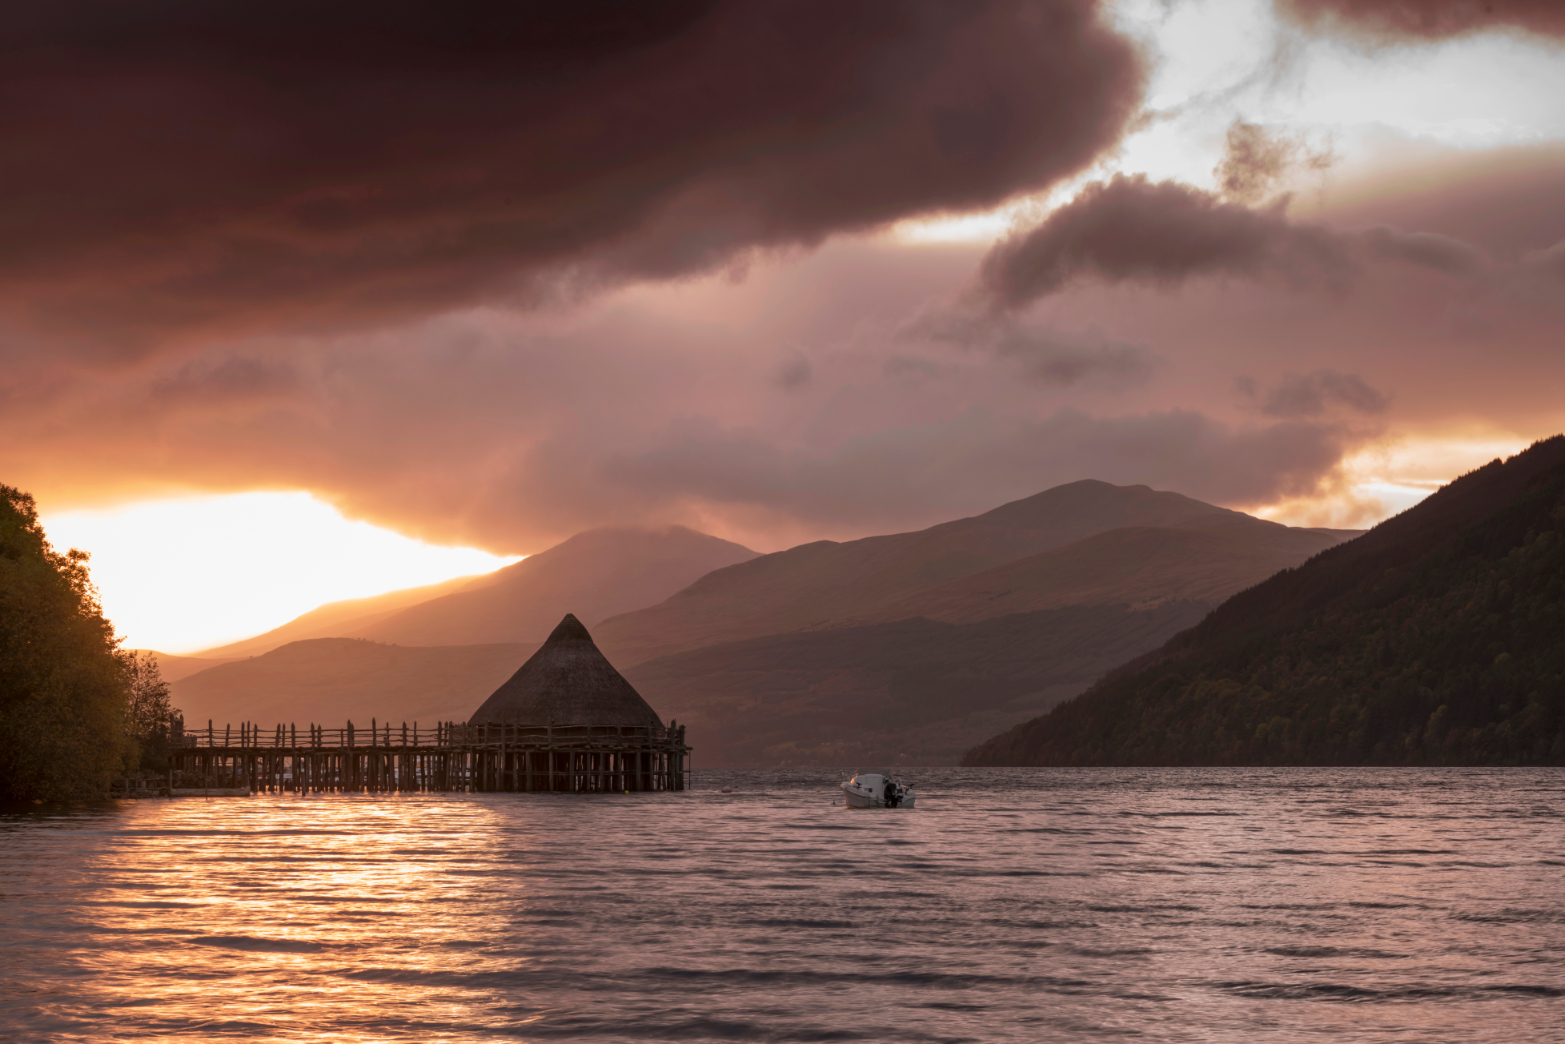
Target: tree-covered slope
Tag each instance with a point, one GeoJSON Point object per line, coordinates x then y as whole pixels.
{"type": "Point", "coordinates": [1437, 637]}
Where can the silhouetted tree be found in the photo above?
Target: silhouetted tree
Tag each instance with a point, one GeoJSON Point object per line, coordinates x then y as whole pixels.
{"type": "Point", "coordinates": [64, 685]}
{"type": "Point", "coordinates": [149, 717]}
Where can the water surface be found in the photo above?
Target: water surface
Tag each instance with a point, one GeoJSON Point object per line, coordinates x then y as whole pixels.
{"type": "Point", "coordinates": [1158, 905]}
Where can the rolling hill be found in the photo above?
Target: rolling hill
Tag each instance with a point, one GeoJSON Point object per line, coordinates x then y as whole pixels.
{"type": "Point", "coordinates": [908, 647]}
{"type": "Point", "coordinates": [335, 619]}
{"type": "Point", "coordinates": [900, 676]}
{"type": "Point", "coordinates": [596, 574]}
{"type": "Point", "coordinates": [593, 574]}
{"type": "Point", "coordinates": [172, 668]}
{"type": "Point", "coordinates": [332, 680]}
{"type": "Point", "coordinates": [1433, 638]}
{"type": "Point", "coordinates": [916, 691]}
{"type": "Point", "coordinates": [1137, 566]}
{"type": "Point", "coordinates": [816, 584]}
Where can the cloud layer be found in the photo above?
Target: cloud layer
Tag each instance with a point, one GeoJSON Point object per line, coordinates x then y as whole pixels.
{"type": "Point", "coordinates": [501, 285]}
{"type": "Point", "coordinates": [830, 396]}
{"type": "Point", "coordinates": [1315, 394]}
{"type": "Point", "coordinates": [1393, 21]}
{"type": "Point", "coordinates": [176, 169]}
{"type": "Point", "coordinates": [1132, 228]}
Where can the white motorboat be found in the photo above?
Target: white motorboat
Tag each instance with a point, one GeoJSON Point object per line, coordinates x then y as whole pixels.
{"type": "Point", "coordinates": [874, 790]}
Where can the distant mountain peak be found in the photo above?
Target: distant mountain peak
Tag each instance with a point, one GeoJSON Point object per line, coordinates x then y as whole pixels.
{"type": "Point", "coordinates": [825, 583]}
{"type": "Point", "coordinates": [1140, 505]}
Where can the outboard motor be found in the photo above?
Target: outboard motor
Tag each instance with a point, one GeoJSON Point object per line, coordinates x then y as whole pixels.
{"type": "Point", "coordinates": [893, 794]}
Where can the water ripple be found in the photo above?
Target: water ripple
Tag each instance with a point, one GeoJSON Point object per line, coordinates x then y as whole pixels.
{"type": "Point", "coordinates": [1165, 905]}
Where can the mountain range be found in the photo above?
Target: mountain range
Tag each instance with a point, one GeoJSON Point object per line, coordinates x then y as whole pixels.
{"type": "Point", "coordinates": [336, 619]}
{"type": "Point", "coordinates": [823, 583]}
{"type": "Point", "coordinates": [598, 573]}
{"type": "Point", "coordinates": [1434, 638]}
{"type": "Point", "coordinates": [910, 646]}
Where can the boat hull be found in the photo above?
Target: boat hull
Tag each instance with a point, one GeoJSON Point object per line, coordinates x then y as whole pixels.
{"type": "Point", "coordinates": [868, 793]}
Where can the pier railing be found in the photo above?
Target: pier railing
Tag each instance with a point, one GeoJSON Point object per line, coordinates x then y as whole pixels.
{"type": "Point", "coordinates": [446, 756]}
{"type": "Point", "coordinates": [250, 736]}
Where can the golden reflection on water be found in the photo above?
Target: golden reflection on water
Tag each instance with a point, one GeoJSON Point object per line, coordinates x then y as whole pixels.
{"type": "Point", "coordinates": [1232, 905]}
{"type": "Point", "coordinates": [277, 892]}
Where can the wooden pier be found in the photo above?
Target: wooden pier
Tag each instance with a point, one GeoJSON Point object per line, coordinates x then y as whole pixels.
{"type": "Point", "coordinates": [451, 756]}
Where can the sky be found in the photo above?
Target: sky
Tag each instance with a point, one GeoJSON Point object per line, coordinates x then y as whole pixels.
{"type": "Point", "coordinates": [480, 278]}
{"type": "Point", "coordinates": [168, 572]}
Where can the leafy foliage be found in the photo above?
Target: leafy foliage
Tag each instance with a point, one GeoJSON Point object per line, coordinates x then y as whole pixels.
{"type": "Point", "coordinates": [1436, 638]}
{"type": "Point", "coordinates": [72, 705]}
{"type": "Point", "coordinates": [150, 719]}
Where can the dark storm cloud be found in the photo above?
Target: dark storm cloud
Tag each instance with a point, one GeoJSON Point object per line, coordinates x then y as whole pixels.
{"type": "Point", "coordinates": [1393, 21]}
{"type": "Point", "coordinates": [175, 167]}
{"type": "Point", "coordinates": [513, 430]}
{"type": "Point", "coordinates": [1314, 394]}
{"type": "Point", "coordinates": [1130, 228]}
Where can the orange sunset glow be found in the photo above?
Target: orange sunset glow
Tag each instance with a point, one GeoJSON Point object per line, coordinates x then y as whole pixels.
{"type": "Point", "coordinates": [769, 390]}
{"type": "Point", "coordinates": [167, 569]}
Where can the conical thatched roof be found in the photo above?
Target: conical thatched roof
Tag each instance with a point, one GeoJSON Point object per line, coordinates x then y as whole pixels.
{"type": "Point", "coordinates": [567, 682]}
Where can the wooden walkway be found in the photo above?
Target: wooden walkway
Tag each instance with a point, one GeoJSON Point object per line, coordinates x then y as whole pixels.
{"type": "Point", "coordinates": [449, 757]}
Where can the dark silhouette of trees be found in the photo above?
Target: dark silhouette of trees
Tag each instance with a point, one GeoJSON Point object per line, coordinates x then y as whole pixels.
{"type": "Point", "coordinates": [150, 720]}
{"type": "Point", "coordinates": [74, 709]}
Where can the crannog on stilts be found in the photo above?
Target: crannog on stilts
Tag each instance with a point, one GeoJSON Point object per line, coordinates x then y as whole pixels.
{"type": "Point", "coordinates": [566, 721]}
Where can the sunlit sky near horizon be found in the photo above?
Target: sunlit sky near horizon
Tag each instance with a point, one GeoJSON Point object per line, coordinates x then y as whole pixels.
{"type": "Point", "coordinates": [782, 399]}
{"type": "Point", "coordinates": [188, 574]}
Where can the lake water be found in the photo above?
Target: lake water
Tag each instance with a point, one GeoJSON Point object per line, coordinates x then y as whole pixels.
{"type": "Point", "coordinates": [1028, 905]}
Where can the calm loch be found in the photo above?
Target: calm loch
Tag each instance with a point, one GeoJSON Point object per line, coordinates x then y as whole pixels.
{"type": "Point", "coordinates": [1159, 905]}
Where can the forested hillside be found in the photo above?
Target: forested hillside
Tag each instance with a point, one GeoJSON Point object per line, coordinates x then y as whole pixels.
{"type": "Point", "coordinates": [1436, 638]}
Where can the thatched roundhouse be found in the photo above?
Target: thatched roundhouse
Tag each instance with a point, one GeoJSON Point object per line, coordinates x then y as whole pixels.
{"type": "Point", "coordinates": [567, 682]}
{"type": "Point", "coordinates": [567, 720]}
